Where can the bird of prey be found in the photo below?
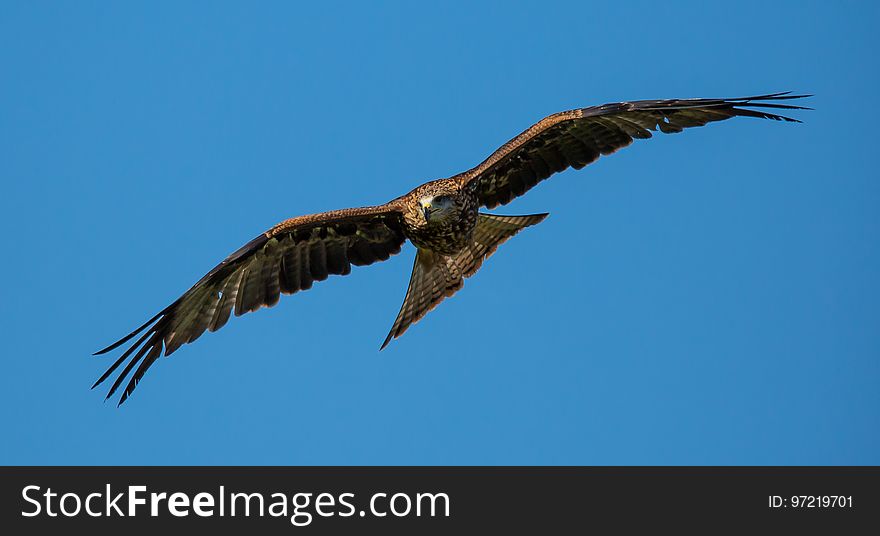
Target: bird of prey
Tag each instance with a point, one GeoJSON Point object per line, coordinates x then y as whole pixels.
{"type": "Point", "coordinates": [441, 218]}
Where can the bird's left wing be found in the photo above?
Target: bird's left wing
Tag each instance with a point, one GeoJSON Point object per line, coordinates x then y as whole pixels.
{"type": "Point", "coordinates": [577, 137]}
{"type": "Point", "coordinates": [283, 260]}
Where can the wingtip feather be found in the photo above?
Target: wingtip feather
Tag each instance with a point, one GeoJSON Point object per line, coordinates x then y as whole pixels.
{"type": "Point", "coordinates": [386, 341]}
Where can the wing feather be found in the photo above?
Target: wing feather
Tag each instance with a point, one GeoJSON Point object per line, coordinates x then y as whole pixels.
{"type": "Point", "coordinates": [229, 295]}
{"type": "Point", "coordinates": [318, 260]}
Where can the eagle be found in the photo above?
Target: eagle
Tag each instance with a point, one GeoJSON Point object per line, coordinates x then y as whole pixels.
{"type": "Point", "coordinates": [441, 218]}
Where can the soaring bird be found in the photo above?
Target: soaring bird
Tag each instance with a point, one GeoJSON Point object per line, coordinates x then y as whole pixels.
{"type": "Point", "coordinates": [441, 218]}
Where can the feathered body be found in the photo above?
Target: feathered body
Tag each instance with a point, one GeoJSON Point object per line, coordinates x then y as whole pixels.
{"type": "Point", "coordinates": [446, 235]}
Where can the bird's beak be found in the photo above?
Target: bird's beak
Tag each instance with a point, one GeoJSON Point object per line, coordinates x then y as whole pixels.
{"type": "Point", "coordinates": [426, 208]}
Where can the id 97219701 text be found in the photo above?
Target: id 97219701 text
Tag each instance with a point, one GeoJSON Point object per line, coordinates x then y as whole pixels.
{"type": "Point", "coordinates": [810, 501]}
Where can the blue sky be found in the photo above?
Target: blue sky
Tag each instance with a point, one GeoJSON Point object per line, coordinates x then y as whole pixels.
{"type": "Point", "coordinates": [705, 298]}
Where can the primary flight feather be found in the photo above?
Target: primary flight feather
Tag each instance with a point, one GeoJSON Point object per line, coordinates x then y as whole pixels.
{"type": "Point", "coordinates": [441, 218]}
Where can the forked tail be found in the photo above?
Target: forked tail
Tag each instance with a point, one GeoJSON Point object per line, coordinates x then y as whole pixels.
{"type": "Point", "coordinates": [436, 276]}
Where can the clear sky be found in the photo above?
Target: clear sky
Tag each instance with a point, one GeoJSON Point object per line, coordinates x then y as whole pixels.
{"type": "Point", "coordinates": [710, 297]}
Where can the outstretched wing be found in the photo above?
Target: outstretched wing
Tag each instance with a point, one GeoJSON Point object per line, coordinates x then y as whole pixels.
{"type": "Point", "coordinates": [283, 260]}
{"type": "Point", "coordinates": [577, 137]}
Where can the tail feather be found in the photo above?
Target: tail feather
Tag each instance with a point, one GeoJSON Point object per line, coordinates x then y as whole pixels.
{"type": "Point", "coordinates": [435, 277]}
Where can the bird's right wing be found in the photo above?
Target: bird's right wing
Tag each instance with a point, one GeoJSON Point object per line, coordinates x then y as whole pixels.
{"type": "Point", "coordinates": [283, 260]}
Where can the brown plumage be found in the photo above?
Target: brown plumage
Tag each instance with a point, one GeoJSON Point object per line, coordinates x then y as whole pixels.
{"type": "Point", "coordinates": [440, 217]}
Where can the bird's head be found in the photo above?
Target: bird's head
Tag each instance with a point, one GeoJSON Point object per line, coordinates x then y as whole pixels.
{"type": "Point", "coordinates": [437, 207]}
